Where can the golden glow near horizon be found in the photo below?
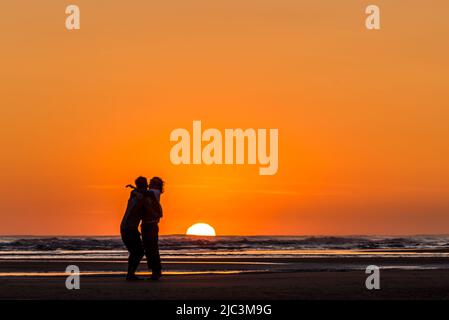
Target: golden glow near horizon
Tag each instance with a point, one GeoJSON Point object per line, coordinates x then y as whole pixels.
{"type": "Point", "coordinates": [201, 229]}
{"type": "Point", "coordinates": [362, 114]}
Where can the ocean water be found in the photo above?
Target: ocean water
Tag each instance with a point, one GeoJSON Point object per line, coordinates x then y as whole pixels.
{"type": "Point", "coordinates": [180, 246]}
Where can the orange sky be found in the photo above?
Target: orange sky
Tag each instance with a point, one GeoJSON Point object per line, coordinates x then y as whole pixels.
{"type": "Point", "coordinates": [362, 115]}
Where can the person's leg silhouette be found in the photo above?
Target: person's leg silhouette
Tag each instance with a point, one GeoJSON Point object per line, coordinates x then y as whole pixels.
{"type": "Point", "coordinates": [133, 242]}
{"type": "Point", "coordinates": [150, 238]}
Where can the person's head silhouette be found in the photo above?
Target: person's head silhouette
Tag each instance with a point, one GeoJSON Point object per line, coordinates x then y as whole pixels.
{"type": "Point", "coordinates": [157, 183]}
{"type": "Point", "coordinates": [141, 183]}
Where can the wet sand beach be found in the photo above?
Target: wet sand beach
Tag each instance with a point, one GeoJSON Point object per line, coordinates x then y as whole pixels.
{"type": "Point", "coordinates": [263, 278]}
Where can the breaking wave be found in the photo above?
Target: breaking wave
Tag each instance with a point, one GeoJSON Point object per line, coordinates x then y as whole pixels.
{"type": "Point", "coordinates": [227, 243]}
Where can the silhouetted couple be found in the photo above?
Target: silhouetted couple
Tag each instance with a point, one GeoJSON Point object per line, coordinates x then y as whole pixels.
{"type": "Point", "coordinates": [143, 208]}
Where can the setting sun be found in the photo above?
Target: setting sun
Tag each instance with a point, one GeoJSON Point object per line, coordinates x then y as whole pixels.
{"type": "Point", "coordinates": [201, 229]}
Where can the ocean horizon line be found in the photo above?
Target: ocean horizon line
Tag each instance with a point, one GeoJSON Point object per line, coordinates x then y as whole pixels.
{"type": "Point", "coordinates": [238, 235]}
